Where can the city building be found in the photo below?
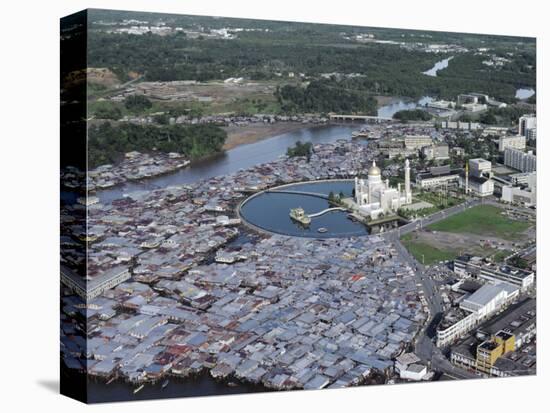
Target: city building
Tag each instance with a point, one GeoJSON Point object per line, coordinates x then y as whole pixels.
{"type": "Point", "coordinates": [436, 152]}
{"type": "Point", "coordinates": [478, 307]}
{"type": "Point", "coordinates": [481, 187]}
{"type": "Point", "coordinates": [374, 197]}
{"type": "Point", "coordinates": [512, 353]}
{"type": "Point", "coordinates": [522, 161]}
{"type": "Point", "coordinates": [409, 367]}
{"type": "Point", "coordinates": [527, 123]}
{"type": "Point", "coordinates": [523, 178]}
{"type": "Point", "coordinates": [415, 142]}
{"type": "Point", "coordinates": [523, 190]}
{"type": "Point", "coordinates": [490, 350]}
{"type": "Point", "coordinates": [94, 286]}
{"type": "Point", "coordinates": [447, 124]}
{"type": "Point", "coordinates": [479, 167]}
{"type": "Point", "coordinates": [476, 179]}
{"type": "Point", "coordinates": [478, 268]}
{"type": "Point", "coordinates": [511, 141]}
{"type": "Point", "coordinates": [437, 176]}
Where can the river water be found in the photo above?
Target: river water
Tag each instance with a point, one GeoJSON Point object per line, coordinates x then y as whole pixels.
{"type": "Point", "coordinates": [442, 64]}
{"type": "Point", "coordinates": [240, 157]}
{"type": "Point", "coordinates": [524, 93]}
{"type": "Point", "coordinates": [246, 156]}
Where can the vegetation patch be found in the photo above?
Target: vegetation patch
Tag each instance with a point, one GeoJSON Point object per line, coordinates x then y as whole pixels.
{"type": "Point", "coordinates": [482, 220]}
{"type": "Point", "coordinates": [108, 144]}
{"type": "Point", "coordinates": [425, 253]}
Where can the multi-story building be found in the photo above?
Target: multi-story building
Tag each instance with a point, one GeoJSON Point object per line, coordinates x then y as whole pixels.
{"type": "Point", "coordinates": [524, 162]}
{"type": "Point", "coordinates": [437, 176]}
{"type": "Point", "coordinates": [511, 331]}
{"type": "Point", "coordinates": [523, 178]}
{"type": "Point", "coordinates": [91, 288]}
{"type": "Point", "coordinates": [477, 267]}
{"type": "Point", "coordinates": [478, 307]}
{"type": "Point", "coordinates": [526, 123]}
{"type": "Point", "coordinates": [531, 134]}
{"type": "Point", "coordinates": [511, 141]}
{"type": "Point", "coordinates": [447, 124]}
{"type": "Point", "coordinates": [436, 152]}
{"type": "Point", "coordinates": [523, 190]}
{"type": "Point", "coordinates": [490, 350]}
{"type": "Point", "coordinates": [416, 142]}
{"type": "Point", "coordinates": [479, 167]}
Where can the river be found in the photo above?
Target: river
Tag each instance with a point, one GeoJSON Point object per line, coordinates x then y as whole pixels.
{"type": "Point", "coordinates": [442, 64]}
{"type": "Point", "coordinates": [524, 93]}
{"type": "Point", "coordinates": [240, 157]}
{"type": "Point", "coordinates": [246, 156]}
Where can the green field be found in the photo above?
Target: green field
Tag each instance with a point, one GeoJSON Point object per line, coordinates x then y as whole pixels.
{"type": "Point", "coordinates": [427, 254]}
{"type": "Point", "coordinates": [482, 220]}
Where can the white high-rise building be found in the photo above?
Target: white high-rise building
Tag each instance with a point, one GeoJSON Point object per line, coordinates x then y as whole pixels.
{"type": "Point", "coordinates": [524, 162]}
{"type": "Point", "coordinates": [526, 123]}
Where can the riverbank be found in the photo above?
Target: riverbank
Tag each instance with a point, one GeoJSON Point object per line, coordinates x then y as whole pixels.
{"type": "Point", "coordinates": [255, 132]}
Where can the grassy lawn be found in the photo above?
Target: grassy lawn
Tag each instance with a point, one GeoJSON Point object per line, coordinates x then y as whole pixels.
{"type": "Point", "coordinates": [482, 220]}
{"type": "Point", "coordinates": [425, 253]}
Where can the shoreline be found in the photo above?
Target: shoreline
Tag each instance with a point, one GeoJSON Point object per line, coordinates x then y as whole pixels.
{"type": "Point", "coordinates": [243, 135]}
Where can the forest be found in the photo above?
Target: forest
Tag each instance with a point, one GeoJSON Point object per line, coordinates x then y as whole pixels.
{"type": "Point", "coordinates": [108, 143]}
{"type": "Point", "coordinates": [314, 52]}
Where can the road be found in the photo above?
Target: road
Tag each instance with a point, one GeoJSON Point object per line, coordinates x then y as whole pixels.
{"type": "Point", "coordinates": [424, 346]}
{"type": "Point", "coordinates": [438, 216]}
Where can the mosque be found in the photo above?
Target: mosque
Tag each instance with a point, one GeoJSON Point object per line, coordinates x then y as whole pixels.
{"type": "Point", "coordinates": [374, 197]}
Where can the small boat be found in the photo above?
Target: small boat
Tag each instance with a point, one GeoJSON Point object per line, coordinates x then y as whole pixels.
{"type": "Point", "coordinates": [137, 389]}
{"type": "Point", "coordinates": [165, 384]}
{"type": "Point", "coordinates": [232, 384]}
{"type": "Point", "coordinates": [322, 230]}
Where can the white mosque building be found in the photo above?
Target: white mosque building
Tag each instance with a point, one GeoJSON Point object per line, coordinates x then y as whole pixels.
{"type": "Point", "coordinates": [374, 197]}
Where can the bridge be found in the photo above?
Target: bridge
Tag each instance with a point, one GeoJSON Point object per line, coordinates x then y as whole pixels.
{"type": "Point", "coordinates": [324, 211]}
{"type": "Point", "coordinates": [288, 191]}
{"type": "Point", "coordinates": [364, 118]}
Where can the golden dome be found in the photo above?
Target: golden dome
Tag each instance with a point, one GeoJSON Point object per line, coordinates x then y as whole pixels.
{"type": "Point", "coordinates": [374, 170]}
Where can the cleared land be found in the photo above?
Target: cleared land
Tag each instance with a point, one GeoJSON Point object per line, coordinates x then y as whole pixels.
{"type": "Point", "coordinates": [482, 220]}
{"type": "Point", "coordinates": [425, 253]}
{"type": "Point", "coordinates": [481, 230]}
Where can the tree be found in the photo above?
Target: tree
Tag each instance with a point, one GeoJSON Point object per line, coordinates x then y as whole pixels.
{"type": "Point", "coordinates": [137, 103]}
{"type": "Point", "coordinates": [414, 114]}
{"type": "Point", "coordinates": [108, 111]}
{"type": "Point", "coordinates": [300, 149]}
